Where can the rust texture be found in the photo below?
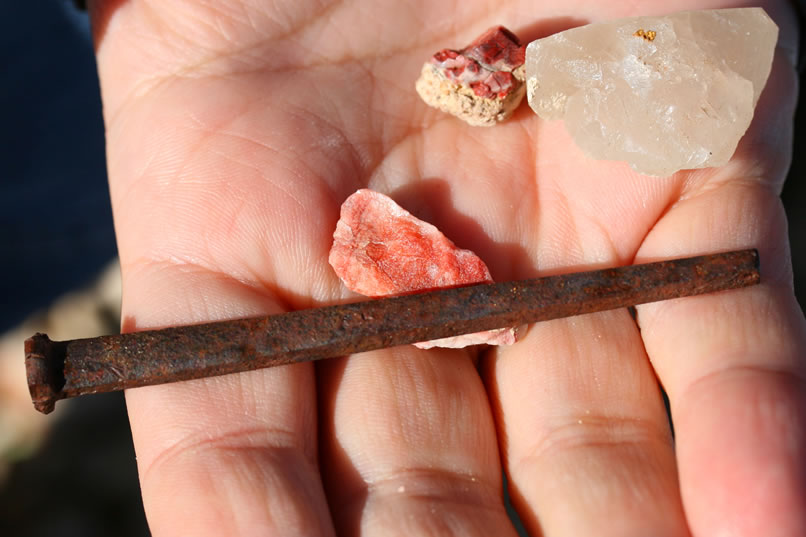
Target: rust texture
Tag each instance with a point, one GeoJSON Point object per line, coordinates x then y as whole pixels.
{"type": "Point", "coordinates": [62, 369]}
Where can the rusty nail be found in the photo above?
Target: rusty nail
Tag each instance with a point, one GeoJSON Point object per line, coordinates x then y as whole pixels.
{"type": "Point", "coordinates": [62, 369]}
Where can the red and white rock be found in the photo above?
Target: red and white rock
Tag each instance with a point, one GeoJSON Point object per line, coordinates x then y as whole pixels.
{"type": "Point", "coordinates": [482, 83]}
{"type": "Point", "coordinates": [380, 249]}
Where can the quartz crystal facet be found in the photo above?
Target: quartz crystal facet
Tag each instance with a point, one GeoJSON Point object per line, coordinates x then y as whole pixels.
{"type": "Point", "coordinates": [662, 93]}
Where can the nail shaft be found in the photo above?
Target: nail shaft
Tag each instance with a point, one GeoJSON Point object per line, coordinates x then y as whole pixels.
{"type": "Point", "coordinates": [62, 369]}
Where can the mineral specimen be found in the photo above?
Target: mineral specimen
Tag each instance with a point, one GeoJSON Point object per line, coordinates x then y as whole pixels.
{"type": "Point", "coordinates": [380, 249]}
{"type": "Point", "coordinates": [481, 84]}
{"type": "Point", "coordinates": [663, 93]}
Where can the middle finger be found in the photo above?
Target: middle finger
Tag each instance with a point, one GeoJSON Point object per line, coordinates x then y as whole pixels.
{"type": "Point", "coordinates": [408, 445]}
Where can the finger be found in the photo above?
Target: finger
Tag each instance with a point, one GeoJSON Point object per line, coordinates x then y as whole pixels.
{"type": "Point", "coordinates": [232, 455]}
{"type": "Point", "coordinates": [585, 438]}
{"type": "Point", "coordinates": [732, 364]}
{"type": "Point", "coordinates": [409, 447]}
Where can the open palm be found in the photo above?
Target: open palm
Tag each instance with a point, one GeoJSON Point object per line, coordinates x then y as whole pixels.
{"type": "Point", "coordinates": [236, 129]}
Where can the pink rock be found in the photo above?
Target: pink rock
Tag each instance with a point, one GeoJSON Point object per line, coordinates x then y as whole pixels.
{"type": "Point", "coordinates": [380, 249]}
{"type": "Point", "coordinates": [486, 64]}
{"type": "Point", "coordinates": [482, 83]}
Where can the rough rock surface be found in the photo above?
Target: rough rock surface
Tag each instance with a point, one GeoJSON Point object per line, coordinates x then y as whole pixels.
{"type": "Point", "coordinates": [380, 249]}
{"type": "Point", "coordinates": [481, 84]}
{"type": "Point", "coordinates": [662, 93]}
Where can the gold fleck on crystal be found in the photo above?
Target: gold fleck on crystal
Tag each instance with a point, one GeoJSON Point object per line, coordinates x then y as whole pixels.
{"type": "Point", "coordinates": [648, 35]}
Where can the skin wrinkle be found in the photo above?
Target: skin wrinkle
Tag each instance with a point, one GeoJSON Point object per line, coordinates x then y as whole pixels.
{"type": "Point", "coordinates": [277, 152]}
{"type": "Point", "coordinates": [720, 181]}
{"type": "Point", "coordinates": [409, 477]}
{"type": "Point", "coordinates": [267, 293]}
{"type": "Point", "coordinates": [323, 14]}
{"type": "Point", "coordinates": [654, 324]}
{"type": "Point", "coordinates": [241, 439]}
{"type": "Point", "coordinates": [173, 263]}
{"type": "Point", "coordinates": [270, 44]}
{"type": "Point", "coordinates": [613, 253]}
{"type": "Point", "coordinates": [674, 196]}
{"type": "Point", "coordinates": [247, 466]}
{"type": "Point", "coordinates": [780, 272]}
{"type": "Point", "coordinates": [142, 89]}
{"type": "Point", "coordinates": [149, 160]}
{"type": "Point", "coordinates": [794, 375]}
{"type": "Point", "coordinates": [720, 188]}
{"type": "Point", "coordinates": [176, 176]}
{"type": "Point", "coordinates": [139, 90]}
{"type": "Point", "coordinates": [218, 25]}
{"type": "Point", "coordinates": [355, 166]}
{"type": "Point", "coordinates": [465, 490]}
{"type": "Point", "coordinates": [245, 162]}
{"type": "Point", "coordinates": [560, 212]}
{"type": "Point", "coordinates": [595, 431]}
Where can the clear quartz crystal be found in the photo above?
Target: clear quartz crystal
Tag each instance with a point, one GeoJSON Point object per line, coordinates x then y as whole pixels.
{"type": "Point", "coordinates": [662, 93]}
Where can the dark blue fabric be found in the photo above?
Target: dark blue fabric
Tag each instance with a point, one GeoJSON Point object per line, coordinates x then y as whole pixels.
{"type": "Point", "coordinates": [55, 219]}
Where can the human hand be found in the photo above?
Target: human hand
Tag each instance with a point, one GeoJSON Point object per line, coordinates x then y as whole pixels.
{"type": "Point", "coordinates": [235, 130]}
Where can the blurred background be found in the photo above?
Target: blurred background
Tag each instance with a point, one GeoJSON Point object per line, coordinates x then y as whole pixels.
{"type": "Point", "coordinates": [73, 472]}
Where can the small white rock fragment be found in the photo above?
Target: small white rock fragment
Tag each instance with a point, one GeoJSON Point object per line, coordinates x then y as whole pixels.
{"type": "Point", "coordinates": [662, 93]}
